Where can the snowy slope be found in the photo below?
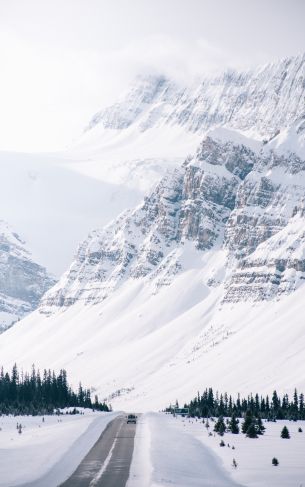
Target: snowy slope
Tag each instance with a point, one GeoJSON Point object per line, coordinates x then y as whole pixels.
{"type": "Point", "coordinates": [22, 281]}
{"type": "Point", "coordinates": [290, 139]}
{"type": "Point", "coordinates": [198, 285]}
{"type": "Point", "coordinates": [180, 452]}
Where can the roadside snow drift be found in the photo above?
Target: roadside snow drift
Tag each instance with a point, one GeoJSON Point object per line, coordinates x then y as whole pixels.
{"type": "Point", "coordinates": [49, 448]}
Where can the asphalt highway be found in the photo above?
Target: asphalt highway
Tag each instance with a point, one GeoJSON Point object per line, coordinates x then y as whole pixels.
{"type": "Point", "coordinates": [108, 462]}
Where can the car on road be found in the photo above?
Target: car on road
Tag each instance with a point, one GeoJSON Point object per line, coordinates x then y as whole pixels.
{"type": "Point", "coordinates": [132, 418]}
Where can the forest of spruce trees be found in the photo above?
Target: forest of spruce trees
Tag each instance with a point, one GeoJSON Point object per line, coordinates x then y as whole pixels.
{"type": "Point", "coordinates": [210, 404]}
{"type": "Point", "coordinates": [33, 393]}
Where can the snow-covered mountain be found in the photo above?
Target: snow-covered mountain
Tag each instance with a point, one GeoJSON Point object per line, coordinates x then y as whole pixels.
{"type": "Point", "coordinates": [201, 282]}
{"type": "Point", "coordinates": [22, 281]}
{"type": "Point", "coordinates": [158, 122]}
{"type": "Point", "coordinates": [260, 101]}
{"type": "Point", "coordinates": [233, 193]}
{"type": "Point", "coordinates": [190, 204]}
{"type": "Point", "coordinates": [198, 285]}
{"type": "Point", "coordinates": [128, 147]}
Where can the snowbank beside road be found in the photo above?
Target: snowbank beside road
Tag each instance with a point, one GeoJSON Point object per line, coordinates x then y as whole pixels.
{"type": "Point", "coordinates": [47, 452]}
{"type": "Point", "coordinates": [165, 454]}
{"type": "Point", "coordinates": [179, 452]}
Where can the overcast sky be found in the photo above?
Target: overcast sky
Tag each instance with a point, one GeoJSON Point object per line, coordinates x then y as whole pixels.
{"type": "Point", "coordinates": [62, 60]}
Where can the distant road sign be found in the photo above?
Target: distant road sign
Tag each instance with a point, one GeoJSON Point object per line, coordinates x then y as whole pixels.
{"type": "Point", "coordinates": [181, 411]}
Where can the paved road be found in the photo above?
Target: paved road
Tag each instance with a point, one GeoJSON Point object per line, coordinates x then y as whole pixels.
{"type": "Point", "coordinates": [108, 462]}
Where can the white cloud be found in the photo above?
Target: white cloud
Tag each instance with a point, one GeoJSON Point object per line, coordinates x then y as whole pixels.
{"type": "Point", "coordinates": [182, 60]}
{"type": "Point", "coordinates": [48, 94]}
{"type": "Point", "coordinates": [62, 61]}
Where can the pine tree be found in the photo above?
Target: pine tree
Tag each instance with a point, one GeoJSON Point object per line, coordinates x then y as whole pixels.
{"type": "Point", "coordinates": [233, 425]}
{"type": "Point", "coordinates": [220, 426]}
{"type": "Point", "coordinates": [259, 426]}
{"type": "Point", "coordinates": [275, 404]}
{"type": "Point", "coordinates": [285, 433]}
{"type": "Point", "coordinates": [252, 430]}
{"type": "Point", "coordinates": [301, 407]}
{"type": "Point", "coordinates": [254, 406]}
{"type": "Point", "coordinates": [295, 401]}
{"type": "Point", "coordinates": [33, 394]}
{"type": "Point", "coordinates": [247, 421]}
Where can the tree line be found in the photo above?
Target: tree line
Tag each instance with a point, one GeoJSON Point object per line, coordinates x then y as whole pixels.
{"type": "Point", "coordinates": [35, 393]}
{"type": "Point", "coordinates": [275, 407]}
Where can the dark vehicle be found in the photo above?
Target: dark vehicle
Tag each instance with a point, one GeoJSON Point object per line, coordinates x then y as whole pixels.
{"type": "Point", "coordinates": [132, 418]}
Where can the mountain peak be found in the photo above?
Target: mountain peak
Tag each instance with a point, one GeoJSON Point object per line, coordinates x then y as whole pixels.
{"type": "Point", "coordinates": [258, 102]}
{"type": "Point", "coordinates": [290, 140]}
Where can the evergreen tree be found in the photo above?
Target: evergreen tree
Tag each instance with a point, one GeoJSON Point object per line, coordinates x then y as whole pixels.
{"type": "Point", "coordinates": [254, 406]}
{"type": "Point", "coordinates": [247, 421]}
{"type": "Point", "coordinates": [295, 401]}
{"type": "Point", "coordinates": [220, 426]}
{"type": "Point", "coordinates": [301, 407]}
{"type": "Point", "coordinates": [233, 425]}
{"type": "Point", "coordinates": [285, 433]}
{"type": "Point", "coordinates": [36, 394]}
{"type": "Point", "coordinates": [259, 426]}
{"type": "Point", "coordinates": [252, 430]}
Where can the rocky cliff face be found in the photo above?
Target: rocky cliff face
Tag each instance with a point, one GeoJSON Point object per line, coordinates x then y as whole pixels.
{"type": "Point", "coordinates": [261, 101]}
{"type": "Point", "coordinates": [276, 267]}
{"type": "Point", "coordinates": [233, 195]}
{"type": "Point", "coordinates": [22, 281]}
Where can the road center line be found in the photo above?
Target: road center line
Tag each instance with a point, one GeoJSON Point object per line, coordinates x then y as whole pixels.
{"type": "Point", "coordinates": [106, 462]}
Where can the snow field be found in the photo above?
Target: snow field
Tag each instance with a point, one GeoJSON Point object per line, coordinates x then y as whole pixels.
{"type": "Point", "coordinates": [179, 452]}
{"type": "Point", "coordinates": [254, 456]}
{"type": "Point", "coordinates": [168, 454]}
{"type": "Point", "coordinates": [46, 452]}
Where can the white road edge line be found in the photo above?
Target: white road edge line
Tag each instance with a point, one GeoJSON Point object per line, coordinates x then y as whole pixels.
{"type": "Point", "coordinates": [106, 462]}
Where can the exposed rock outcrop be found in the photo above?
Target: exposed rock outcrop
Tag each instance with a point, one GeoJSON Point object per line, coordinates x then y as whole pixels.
{"type": "Point", "coordinates": [22, 281]}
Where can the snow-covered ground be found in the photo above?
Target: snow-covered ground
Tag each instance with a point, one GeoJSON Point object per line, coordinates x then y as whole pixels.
{"type": "Point", "coordinates": [179, 452]}
{"type": "Point", "coordinates": [168, 451]}
{"type": "Point", "coordinates": [46, 452]}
